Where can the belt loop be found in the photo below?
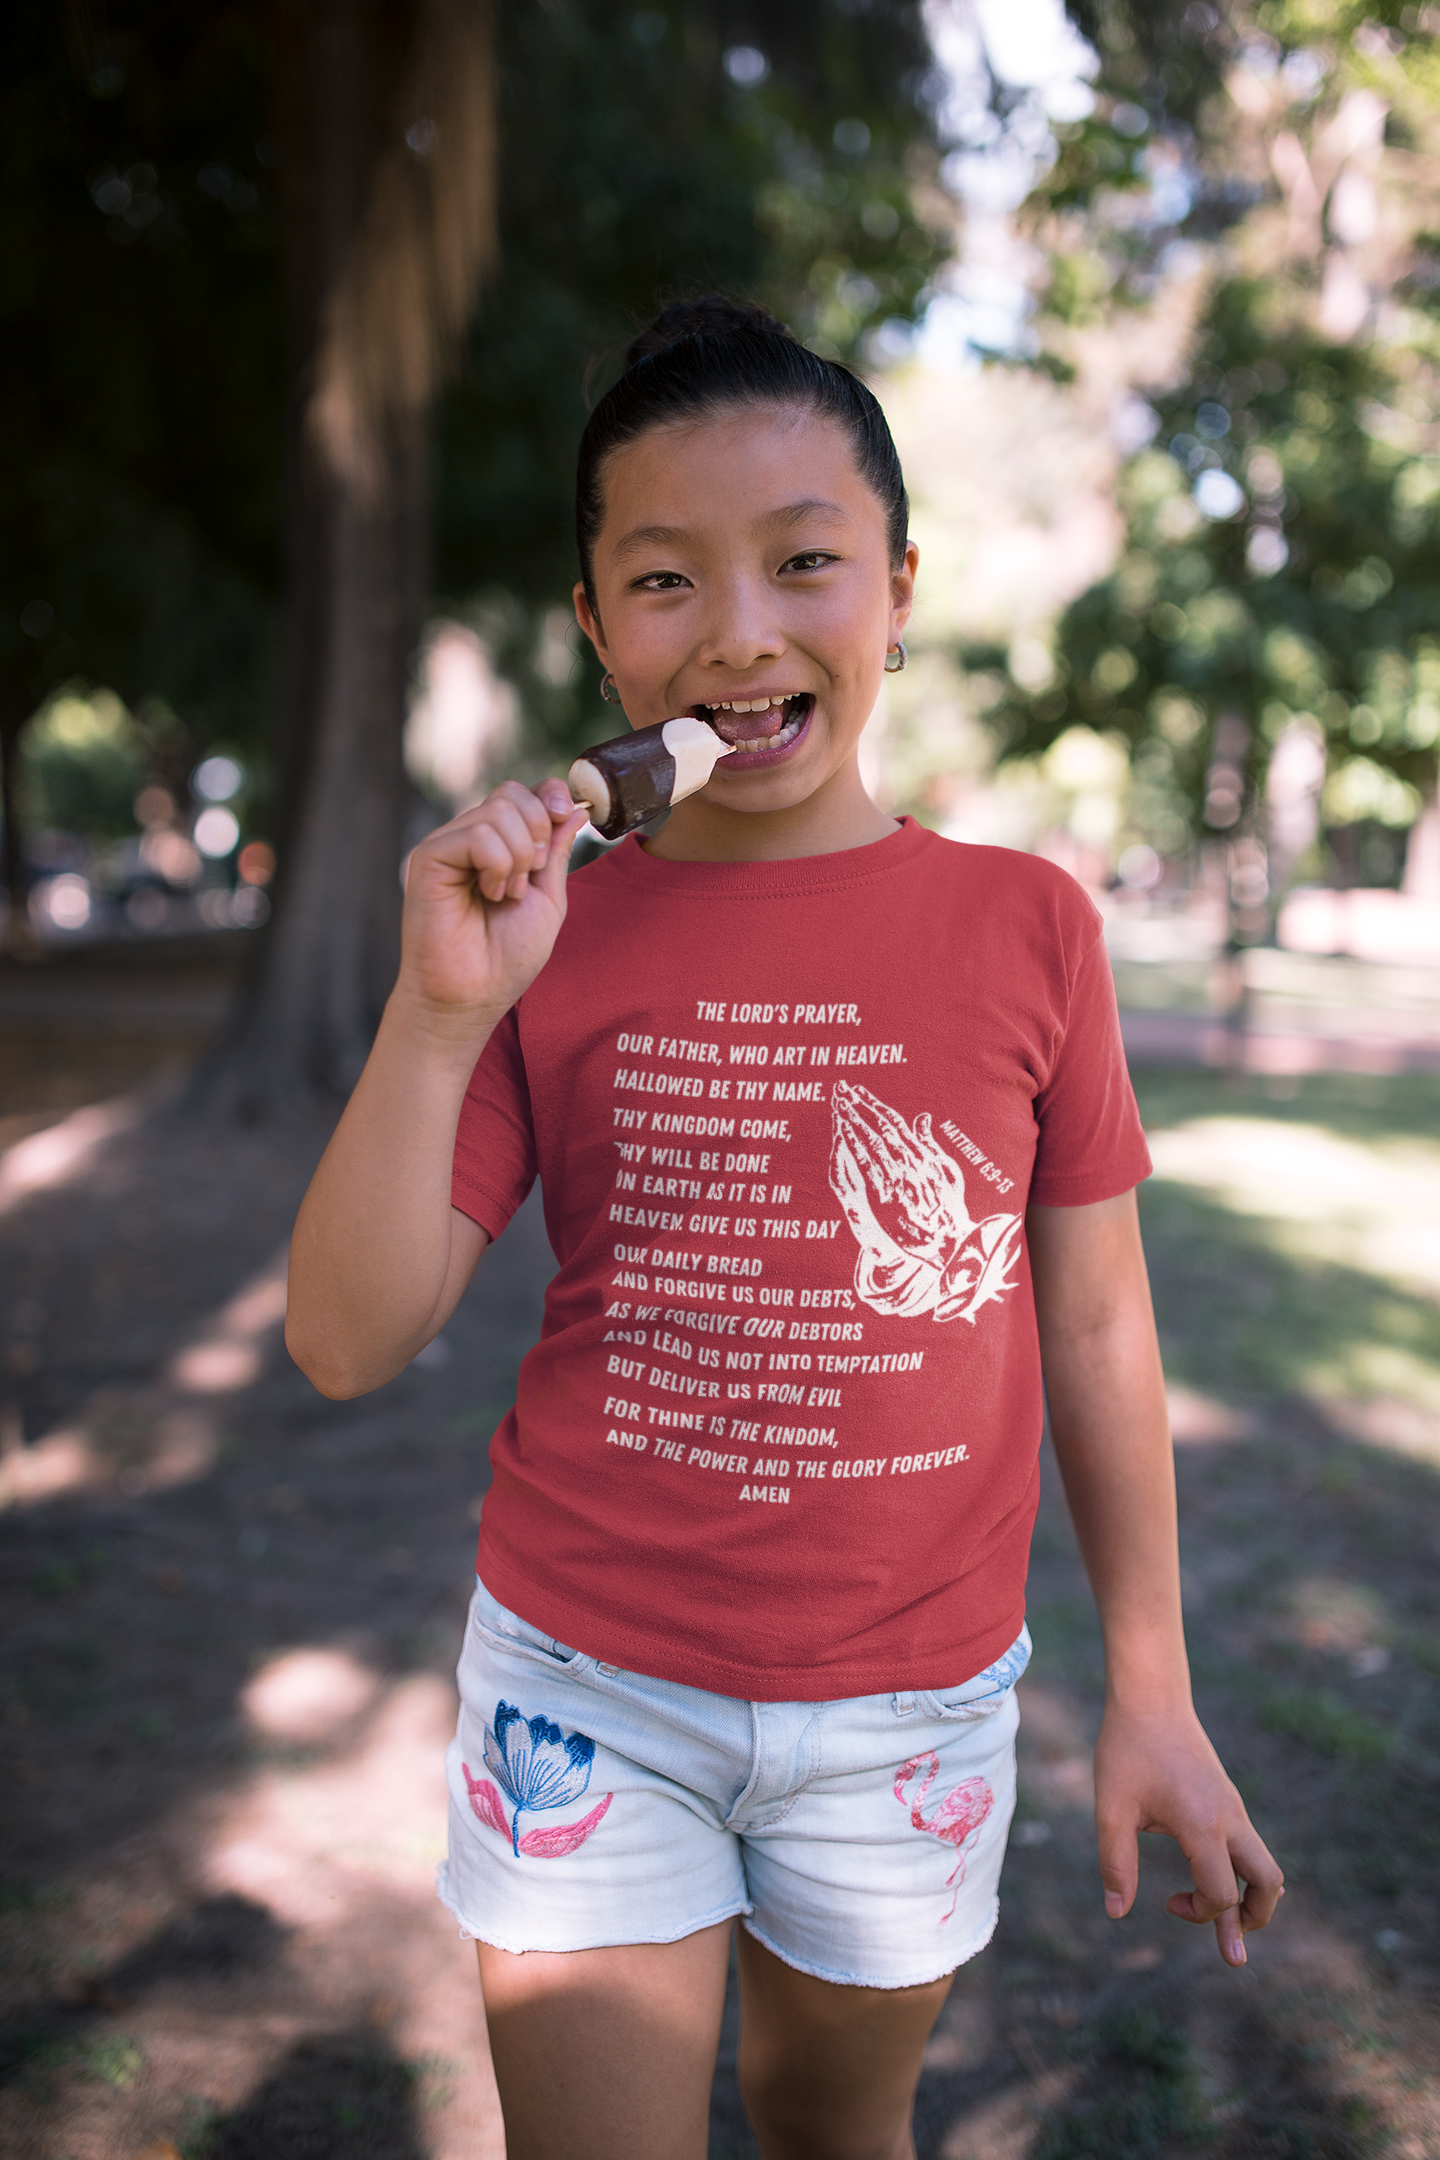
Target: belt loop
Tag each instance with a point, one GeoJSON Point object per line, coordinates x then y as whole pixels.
{"type": "Point", "coordinates": [904, 1705]}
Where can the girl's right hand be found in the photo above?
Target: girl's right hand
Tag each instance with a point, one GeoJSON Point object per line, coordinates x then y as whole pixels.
{"type": "Point", "coordinates": [484, 901]}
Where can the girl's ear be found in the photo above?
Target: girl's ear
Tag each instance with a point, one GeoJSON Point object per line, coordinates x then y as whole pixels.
{"type": "Point", "coordinates": [589, 622]}
{"type": "Point", "coordinates": [902, 589]}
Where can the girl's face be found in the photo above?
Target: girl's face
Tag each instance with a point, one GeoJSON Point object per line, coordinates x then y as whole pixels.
{"type": "Point", "coordinates": [742, 575]}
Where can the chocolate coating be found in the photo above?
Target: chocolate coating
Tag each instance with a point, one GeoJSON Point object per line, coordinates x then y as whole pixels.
{"type": "Point", "coordinates": [640, 774]}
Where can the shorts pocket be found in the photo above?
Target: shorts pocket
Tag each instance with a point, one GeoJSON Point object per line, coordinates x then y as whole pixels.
{"type": "Point", "coordinates": [986, 1693]}
{"type": "Point", "coordinates": [496, 1625]}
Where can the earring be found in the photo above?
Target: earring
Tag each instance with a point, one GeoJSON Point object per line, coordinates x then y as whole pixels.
{"type": "Point", "coordinates": [608, 690]}
{"type": "Point", "coordinates": [895, 658]}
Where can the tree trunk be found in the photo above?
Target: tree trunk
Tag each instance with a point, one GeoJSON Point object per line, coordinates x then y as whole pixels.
{"type": "Point", "coordinates": [329, 964]}
{"type": "Point", "coordinates": [376, 233]}
{"type": "Point", "coordinates": [15, 710]}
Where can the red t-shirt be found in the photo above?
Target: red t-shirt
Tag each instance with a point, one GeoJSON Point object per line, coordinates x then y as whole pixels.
{"type": "Point", "coordinates": [779, 1437]}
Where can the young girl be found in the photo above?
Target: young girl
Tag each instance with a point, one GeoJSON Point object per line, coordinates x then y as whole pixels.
{"type": "Point", "coordinates": [837, 1149]}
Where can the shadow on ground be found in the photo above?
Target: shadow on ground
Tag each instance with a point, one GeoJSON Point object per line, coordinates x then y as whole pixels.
{"type": "Point", "coordinates": [219, 1932]}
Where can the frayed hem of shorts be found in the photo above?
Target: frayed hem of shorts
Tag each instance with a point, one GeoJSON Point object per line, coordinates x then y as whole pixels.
{"type": "Point", "coordinates": [493, 1941]}
{"type": "Point", "coordinates": [952, 1963]}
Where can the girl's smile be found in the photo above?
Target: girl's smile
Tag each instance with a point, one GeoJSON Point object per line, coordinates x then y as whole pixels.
{"type": "Point", "coordinates": [769, 725]}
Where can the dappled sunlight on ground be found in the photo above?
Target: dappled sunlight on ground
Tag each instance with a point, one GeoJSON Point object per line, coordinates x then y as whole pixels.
{"type": "Point", "coordinates": [308, 1838]}
{"type": "Point", "coordinates": [236, 1608]}
{"type": "Point", "coordinates": [341, 1849]}
{"type": "Point", "coordinates": [1314, 1243]}
{"type": "Point", "coordinates": [331, 1851]}
{"type": "Point", "coordinates": [143, 1439]}
{"type": "Point", "coordinates": [308, 1695]}
{"type": "Point", "coordinates": [61, 1152]}
{"type": "Point", "coordinates": [1374, 1206]}
{"type": "Point", "coordinates": [229, 1351]}
{"type": "Point", "coordinates": [1197, 1417]}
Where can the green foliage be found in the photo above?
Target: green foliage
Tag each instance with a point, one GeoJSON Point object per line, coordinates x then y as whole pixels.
{"type": "Point", "coordinates": [1321, 595]}
{"type": "Point", "coordinates": [1282, 547]}
{"type": "Point", "coordinates": [83, 761]}
{"type": "Point", "coordinates": [144, 379]}
{"type": "Point", "coordinates": [141, 376]}
{"type": "Point", "coordinates": [637, 167]}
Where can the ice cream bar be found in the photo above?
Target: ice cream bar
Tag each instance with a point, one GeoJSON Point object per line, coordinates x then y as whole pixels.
{"type": "Point", "coordinates": [635, 777]}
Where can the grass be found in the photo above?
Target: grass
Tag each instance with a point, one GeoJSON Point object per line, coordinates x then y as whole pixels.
{"type": "Point", "coordinates": [41, 2056]}
{"type": "Point", "coordinates": [330, 2095]}
{"type": "Point", "coordinates": [1367, 1107]}
{"type": "Point", "coordinates": [1142, 2097]}
{"type": "Point", "coordinates": [1245, 1314]}
{"type": "Point", "coordinates": [1324, 1721]}
{"type": "Point", "coordinates": [1293, 1284]}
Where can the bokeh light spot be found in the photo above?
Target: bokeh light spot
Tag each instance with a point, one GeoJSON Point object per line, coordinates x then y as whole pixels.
{"type": "Point", "coordinates": [216, 832]}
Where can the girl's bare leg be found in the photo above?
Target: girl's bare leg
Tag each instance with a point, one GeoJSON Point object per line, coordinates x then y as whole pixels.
{"type": "Point", "coordinates": [607, 2054]}
{"type": "Point", "coordinates": [610, 2054]}
{"type": "Point", "coordinates": [829, 2073]}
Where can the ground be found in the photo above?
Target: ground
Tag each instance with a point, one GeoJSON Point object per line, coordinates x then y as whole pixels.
{"type": "Point", "coordinates": [231, 1612]}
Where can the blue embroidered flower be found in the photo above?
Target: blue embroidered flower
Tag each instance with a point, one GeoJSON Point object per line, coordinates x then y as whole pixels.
{"type": "Point", "coordinates": [537, 1765]}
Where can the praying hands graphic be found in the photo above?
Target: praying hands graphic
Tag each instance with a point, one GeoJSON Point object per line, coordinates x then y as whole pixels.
{"type": "Point", "coordinates": [904, 1198]}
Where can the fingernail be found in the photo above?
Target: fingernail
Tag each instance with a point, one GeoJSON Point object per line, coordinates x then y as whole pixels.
{"type": "Point", "coordinates": [1114, 1904]}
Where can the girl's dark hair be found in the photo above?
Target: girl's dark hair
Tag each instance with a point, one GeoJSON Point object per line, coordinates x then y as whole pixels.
{"type": "Point", "coordinates": [700, 356]}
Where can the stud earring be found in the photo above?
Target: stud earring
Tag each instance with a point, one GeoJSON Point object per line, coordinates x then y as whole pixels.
{"type": "Point", "coordinates": [611, 695]}
{"type": "Point", "coordinates": [895, 658]}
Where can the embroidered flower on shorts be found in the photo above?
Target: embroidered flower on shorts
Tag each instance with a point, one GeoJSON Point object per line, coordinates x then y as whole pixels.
{"type": "Point", "coordinates": [539, 1768]}
{"type": "Point", "coordinates": [957, 1818]}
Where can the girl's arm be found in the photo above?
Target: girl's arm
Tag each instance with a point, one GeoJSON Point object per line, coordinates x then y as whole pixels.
{"type": "Point", "coordinates": [1154, 1767]}
{"type": "Point", "coordinates": [379, 1257]}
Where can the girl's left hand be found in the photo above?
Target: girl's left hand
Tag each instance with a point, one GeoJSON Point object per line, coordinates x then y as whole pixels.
{"type": "Point", "coordinates": [1157, 1771]}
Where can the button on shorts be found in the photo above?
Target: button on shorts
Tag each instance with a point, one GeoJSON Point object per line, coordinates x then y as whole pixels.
{"type": "Point", "coordinates": [859, 1840]}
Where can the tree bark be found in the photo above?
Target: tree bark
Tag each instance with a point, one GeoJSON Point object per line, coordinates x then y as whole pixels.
{"type": "Point", "coordinates": [359, 210]}
{"type": "Point", "coordinates": [15, 710]}
{"type": "Point", "coordinates": [329, 964]}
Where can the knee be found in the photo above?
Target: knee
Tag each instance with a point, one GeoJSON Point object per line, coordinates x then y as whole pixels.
{"type": "Point", "coordinates": [796, 2118]}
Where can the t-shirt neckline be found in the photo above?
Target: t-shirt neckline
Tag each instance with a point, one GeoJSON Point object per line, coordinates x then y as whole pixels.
{"type": "Point", "coordinates": [837, 872]}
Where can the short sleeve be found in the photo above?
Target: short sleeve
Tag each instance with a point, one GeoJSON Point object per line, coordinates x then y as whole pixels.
{"type": "Point", "coordinates": [495, 1141]}
{"type": "Point", "coordinates": [1091, 1145]}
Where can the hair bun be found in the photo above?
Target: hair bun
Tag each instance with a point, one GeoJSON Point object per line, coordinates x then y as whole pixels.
{"type": "Point", "coordinates": [709, 315]}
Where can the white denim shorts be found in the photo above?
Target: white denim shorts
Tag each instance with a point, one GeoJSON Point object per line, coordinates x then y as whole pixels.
{"type": "Point", "coordinates": [860, 1840]}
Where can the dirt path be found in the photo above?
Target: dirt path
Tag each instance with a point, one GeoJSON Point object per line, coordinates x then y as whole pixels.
{"type": "Point", "coordinates": [231, 1613]}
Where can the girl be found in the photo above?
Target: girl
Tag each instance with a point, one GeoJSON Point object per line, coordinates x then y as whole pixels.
{"type": "Point", "coordinates": [837, 1149]}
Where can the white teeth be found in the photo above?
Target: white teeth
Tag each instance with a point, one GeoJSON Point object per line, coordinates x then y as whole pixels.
{"type": "Point", "coordinates": [776, 741]}
{"type": "Point", "coordinates": [751, 705]}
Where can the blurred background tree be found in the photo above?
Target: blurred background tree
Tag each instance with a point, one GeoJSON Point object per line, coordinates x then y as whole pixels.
{"type": "Point", "coordinates": [141, 393]}
{"type": "Point", "coordinates": [304, 309]}
{"type": "Point", "coordinates": [1270, 172]}
{"type": "Point", "coordinates": [243, 249]}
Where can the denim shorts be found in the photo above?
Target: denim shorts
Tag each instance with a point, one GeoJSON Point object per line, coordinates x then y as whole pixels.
{"type": "Point", "coordinates": [859, 1840]}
